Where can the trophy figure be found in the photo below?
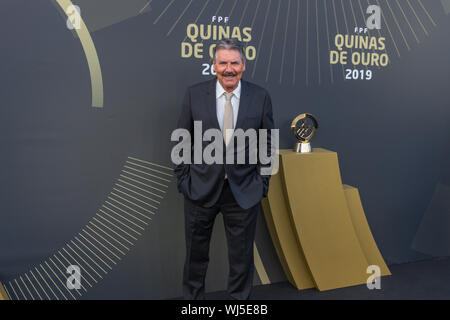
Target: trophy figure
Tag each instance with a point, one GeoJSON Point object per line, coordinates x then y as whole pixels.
{"type": "Point", "coordinates": [304, 127]}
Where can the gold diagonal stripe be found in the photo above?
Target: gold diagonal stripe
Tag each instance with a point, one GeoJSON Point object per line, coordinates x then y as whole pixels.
{"type": "Point", "coordinates": [26, 287]}
{"type": "Point", "coordinates": [90, 258]}
{"type": "Point", "coordinates": [201, 11]}
{"type": "Point", "coordinates": [128, 220]}
{"type": "Point", "coordinates": [232, 9]}
{"type": "Point", "coordinates": [429, 17]}
{"type": "Point", "coordinates": [102, 243]}
{"type": "Point", "coordinates": [389, 30]}
{"type": "Point", "coordinates": [149, 174]}
{"type": "Point", "coordinates": [335, 16]}
{"type": "Point", "coordinates": [130, 196]}
{"type": "Point", "coordinates": [260, 39]}
{"type": "Point", "coordinates": [109, 236]}
{"type": "Point", "coordinates": [219, 7]}
{"type": "Point", "coordinates": [66, 269]}
{"type": "Point", "coordinates": [284, 41]}
{"type": "Point", "coordinates": [120, 236]}
{"type": "Point", "coordinates": [318, 42]}
{"type": "Point", "coordinates": [328, 38]}
{"type": "Point", "coordinates": [110, 222]}
{"type": "Point", "coordinates": [243, 12]}
{"type": "Point", "coordinates": [215, 14]}
{"type": "Point", "coordinates": [345, 16]}
{"type": "Point", "coordinates": [17, 284]}
{"type": "Point", "coordinates": [40, 285]}
{"type": "Point", "coordinates": [107, 202]}
{"type": "Point", "coordinates": [256, 12]}
{"type": "Point", "coordinates": [181, 15]}
{"type": "Point", "coordinates": [52, 279]}
{"type": "Point", "coordinates": [154, 170]}
{"type": "Point", "coordinates": [128, 206]}
{"type": "Point", "coordinates": [135, 175]}
{"type": "Point", "coordinates": [84, 269]}
{"type": "Point", "coordinates": [407, 21]}
{"type": "Point", "coordinates": [356, 24]}
{"type": "Point", "coordinates": [77, 264]}
{"type": "Point", "coordinates": [164, 11]}
{"type": "Point", "coordinates": [196, 19]}
{"type": "Point", "coordinates": [95, 255]}
{"type": "Point", "coordinates": [14, 291]}
{"type": "Point", "coordinates": [117, 220]}
{"type": "Point", "coordinates": [134, 186]}
{"type": "Point", "coordinates": [140, 11]}
{"type": "Point", "coordinates": [345, 20]}
{"type": "Point", "coordinates": [76, 253]}
{"type": "Point", "coordinates": [112, 211]}
{"type": "Point", "coordinates": [337, 29]}
{"type": "Point", "coordinates": [139, 194]}
{"type": "Point", "coordinates": [26, 275]}
{"type": "Point", "coordinates": [149, 211]}
{"type": "Point", "coordinates": [398, 25]}
{"type": "Point", "coordinates": [417, 17]}
{"type": "Point", "coordinates": [64, 278]}
{"type": "Point", "coordinates": [353, 14]}
{"type": "Point", "coordinates": [273, 39]}
{"type": "Point", "coordinates": [153, 164]}
{"type": "Point", "coordinates": [57, 298]}
{"type": "Point", "coordinates": [307, 45]}
{"type": "Point", "coordinates": [94, 252]}
{"type": "Point", "coordinates": [295, 46]}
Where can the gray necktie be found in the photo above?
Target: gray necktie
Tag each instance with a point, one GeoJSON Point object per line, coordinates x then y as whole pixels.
{"type": "Point", "coordinates": [227, 118]}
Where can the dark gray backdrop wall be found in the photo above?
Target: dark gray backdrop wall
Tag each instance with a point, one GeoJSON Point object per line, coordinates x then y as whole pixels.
{"type": "Point", "coordinates": [67, 193]}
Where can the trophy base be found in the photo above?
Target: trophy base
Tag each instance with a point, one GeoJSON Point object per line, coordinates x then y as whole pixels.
{"type": "Point", "coordinates": [302, 147]}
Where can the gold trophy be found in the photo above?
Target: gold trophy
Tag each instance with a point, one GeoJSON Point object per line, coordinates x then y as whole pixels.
{"type": "Point", "coordinates": [304, 127]}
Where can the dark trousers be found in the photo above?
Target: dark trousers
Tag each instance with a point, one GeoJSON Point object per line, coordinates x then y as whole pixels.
{"type": "Point", "coordinates": [240, 228]}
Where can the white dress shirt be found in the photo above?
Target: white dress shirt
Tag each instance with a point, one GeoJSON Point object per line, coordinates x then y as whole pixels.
{"type": "Point", "coordinates": [220, 103]}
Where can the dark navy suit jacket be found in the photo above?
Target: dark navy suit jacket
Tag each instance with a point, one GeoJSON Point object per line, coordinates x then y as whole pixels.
{"type": "Point", "coordinates": [202, 183]}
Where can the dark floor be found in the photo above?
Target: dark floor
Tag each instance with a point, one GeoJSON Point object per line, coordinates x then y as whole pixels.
{"type": "Point", "coordinates": [418, 280]}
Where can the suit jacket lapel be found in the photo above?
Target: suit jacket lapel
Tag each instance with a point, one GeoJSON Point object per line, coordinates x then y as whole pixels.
{"type": "Point", "coordinates": [211, 103]}
{"type": "Point", "coordinates": [244, 102]}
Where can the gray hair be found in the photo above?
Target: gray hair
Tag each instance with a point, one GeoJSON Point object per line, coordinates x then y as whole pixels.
{"type": "Point", "coordinates": [229, 44]}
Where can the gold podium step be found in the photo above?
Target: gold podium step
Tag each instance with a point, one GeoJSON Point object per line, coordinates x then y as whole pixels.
{"type": "Point", "coordinates": [3, 294]}
{"type": "Point", "coordinates": [317, 224]}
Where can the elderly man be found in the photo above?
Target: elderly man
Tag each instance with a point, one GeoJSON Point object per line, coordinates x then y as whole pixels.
{"type": "Point", "coordinates": [225, 103]}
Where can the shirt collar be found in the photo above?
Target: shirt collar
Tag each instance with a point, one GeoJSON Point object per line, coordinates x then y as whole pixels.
{"type": "Point", "coordinates": [220, 90]}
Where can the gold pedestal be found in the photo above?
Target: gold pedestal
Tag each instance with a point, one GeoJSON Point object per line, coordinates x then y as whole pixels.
{"type": "Point", "coordinates": [318, 225]}
{"type": "Point", "coordinates": [3, 294]}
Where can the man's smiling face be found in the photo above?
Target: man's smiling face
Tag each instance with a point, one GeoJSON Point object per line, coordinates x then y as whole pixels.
{"type": "Point", "coordinates": [229, 67]}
